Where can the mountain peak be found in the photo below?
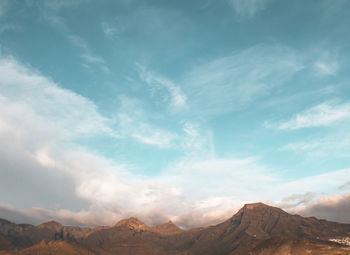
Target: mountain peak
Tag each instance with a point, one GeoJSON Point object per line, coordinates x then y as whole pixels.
{"type": "Point", "coordinates": [132, 223]}
{"type": "Point", "coordinates": [259, 207]}
{"type": "Point", "coordinates": [167, 228]}
{"type": "Point", "coordinates": [255, 205]}
{"type": "Point", "coordinates": [51, 225]}
{"type": "Point", "coordinates": [169, 223]}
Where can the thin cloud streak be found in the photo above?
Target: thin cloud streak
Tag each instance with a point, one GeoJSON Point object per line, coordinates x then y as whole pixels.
{"type": "Point", "coordinates": [134, 122]}
{"type": "Point", "coordinates": [88, 57]}
{"type": "Point", "coordinates": [336, 146]}
{"type": "Point", "coordinates": [231, 83]}
{"type": "Point", "coordinates": [321, 115]}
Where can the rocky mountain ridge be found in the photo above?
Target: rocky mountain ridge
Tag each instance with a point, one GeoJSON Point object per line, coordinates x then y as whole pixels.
{"type": "Point", "coordinates": [254, 229]}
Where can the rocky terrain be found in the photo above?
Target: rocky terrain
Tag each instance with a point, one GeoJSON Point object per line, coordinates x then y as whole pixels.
{"type": "Point", "coordinates": [255, 229]}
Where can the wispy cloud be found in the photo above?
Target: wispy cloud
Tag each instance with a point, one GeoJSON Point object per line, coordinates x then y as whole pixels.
{"type": "Point", "coordinates": [57, 5]}
{"type": "Point", "coordinates": [112, 28]}
{"type": "Point", "coordinates": [7, 27]}
{"type": "Point", "coordinates": [134, 122]}
{"type": "Point", "coordinates": [157, 82]}
{"type": "Point", "coordinates": [332, 8]}
{"type": "Point", "coordinates": [197, 141]}
{"type": "Point", "coordinates": [248, 8]}
{"type": "Point", "coordinates": [321, 115]}
{"type": "Point", "coordinates": [229, 83]}
{"type": "Point", "coordinates": [4, 5]}
{"type": "Point", "coordinates": [323, 183]}
{"type": "Point", "coordinates": [336, 146]}
{"type": "Point", "coordinates": [87, 55]}
{"type": "Point", "coordinates": [327, 63]}
{"type": "Point", "coordinates": [148, 135]}
{"type": "Point", "coordinates": [326, 68]}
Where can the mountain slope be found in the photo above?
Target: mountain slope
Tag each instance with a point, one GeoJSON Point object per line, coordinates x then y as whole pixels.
{"type": "Point", "coordinates": [278, 246]}
{"type": "Point", "coordinates": [168, 228]}
{"type": "Point", "coordinates": [255, 223]}
{"type": "Point", "coordinates": [52, 248]}
{"type": "Point", "coordinates": [20, 236]}
{"type": "Point", "coordinates": [255, 229]}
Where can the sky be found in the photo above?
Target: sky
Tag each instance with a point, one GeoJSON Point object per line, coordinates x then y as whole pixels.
{"type": "Point", "coordinates": [173, 110]}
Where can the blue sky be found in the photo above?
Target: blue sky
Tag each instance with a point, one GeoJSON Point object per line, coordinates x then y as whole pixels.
{"type": "Point", "coordinates": [181, 110]}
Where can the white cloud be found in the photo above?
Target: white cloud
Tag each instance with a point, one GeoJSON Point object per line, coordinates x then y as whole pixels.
{"type": "Point", "coordinates": [248, 8]}
{"type": "Point", "coordinates": [230, 83]}
{"type": "Point", "coordinates": [207, 212]}
{"type": "Point", "coordinates": [333, 207]}
{"type": "Point", "coordinates": [324, 114]}
{"type": "Point", "coordinates": [314, 196]}
{"type": "Point", "coordinates": [38, 124]}
{"type": "Point", "coordinates": [231, 177]}
{"type": "Point", "coordinates": [43, 157]}
{"type": "Point", "coordinates": [23, 89]}
{"type": "Point", "coordinates": [345, 186]}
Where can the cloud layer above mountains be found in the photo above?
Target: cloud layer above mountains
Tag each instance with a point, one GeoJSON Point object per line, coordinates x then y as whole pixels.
{"type": "Point", "coordinates": [105, 127]}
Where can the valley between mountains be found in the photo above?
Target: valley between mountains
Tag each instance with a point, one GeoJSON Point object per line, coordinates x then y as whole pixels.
{"type": "Point", "coordinates": [256, 229]}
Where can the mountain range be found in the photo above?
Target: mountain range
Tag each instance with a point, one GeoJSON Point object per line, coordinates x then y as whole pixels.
{"type": "Point", "coordinates": [256, 229]}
